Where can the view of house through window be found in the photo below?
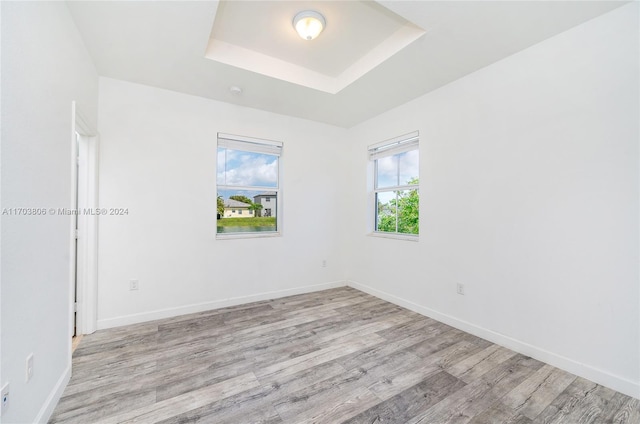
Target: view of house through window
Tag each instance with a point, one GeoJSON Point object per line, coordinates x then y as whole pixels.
{"type": "Point", "coordinates": [247, 185]}
{"type": "Point", "coordinates": [396, 175]}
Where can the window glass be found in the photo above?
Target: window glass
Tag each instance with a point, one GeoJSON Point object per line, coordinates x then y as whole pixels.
{"type": "Point", "coordinates": [408, 163]}
{"type": "Point", "coordinates": [387, 172]}
{"type": "Point", "coordinates": [246, 179]}
{"type": "Point", "coordinates": [396, 192]}
{"type": "Point", "coordinates": [236, 167]}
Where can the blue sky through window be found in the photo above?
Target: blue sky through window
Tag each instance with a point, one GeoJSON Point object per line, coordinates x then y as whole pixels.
{"type": "Point", "coordinates": [247, 169]}
{"type": "Point", "coordinates": [398, 169]}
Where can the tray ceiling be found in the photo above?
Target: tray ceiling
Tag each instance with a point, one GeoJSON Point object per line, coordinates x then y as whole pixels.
{"type": "Point", "coordinates": [372, 57]}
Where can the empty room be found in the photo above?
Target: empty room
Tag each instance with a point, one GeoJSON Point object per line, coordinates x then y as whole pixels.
{"type": "Point", "coordinates": [320, 212]}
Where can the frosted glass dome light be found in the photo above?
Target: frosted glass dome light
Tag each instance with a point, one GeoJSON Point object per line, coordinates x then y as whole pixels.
{"type": "Point", "coordinates": [309, 24]}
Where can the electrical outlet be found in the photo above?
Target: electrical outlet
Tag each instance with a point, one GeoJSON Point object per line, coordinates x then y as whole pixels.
{"type": "Point", "coordinates": [5, 398]}
{"type": "Point", "coordinates": [460, 289]}
{"type": "Point", "coordinates": [29, 370]}
{"type": "Point", "coordinates": [133, 284]}
{"type": "Point", "coordinates": [324, 263]}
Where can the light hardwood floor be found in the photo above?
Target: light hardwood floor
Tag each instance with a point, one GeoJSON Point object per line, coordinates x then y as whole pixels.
{"type": "Point", "coordinates": [336, 356]}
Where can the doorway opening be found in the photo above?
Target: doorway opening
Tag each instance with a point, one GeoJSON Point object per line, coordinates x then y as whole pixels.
{"type": "Point", "coordinates": [84, 229]}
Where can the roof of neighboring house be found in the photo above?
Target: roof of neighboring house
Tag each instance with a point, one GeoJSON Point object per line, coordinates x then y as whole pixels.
{"type": "Point", "coordinates": [230, 203]}
{"type": "Point", "coordinates": [266, 193]}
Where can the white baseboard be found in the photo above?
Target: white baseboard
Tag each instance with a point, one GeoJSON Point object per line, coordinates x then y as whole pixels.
{"type": "Point", "coordinates": [216, 304]}
{"type": "Point", "coordinates": [596, 375]}
{"type": "Point", "coordinates": [52, 400]}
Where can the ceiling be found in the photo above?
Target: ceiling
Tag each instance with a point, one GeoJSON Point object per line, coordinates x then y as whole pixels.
{"type": "Point", "coordinates": [371, 57]}
{"type": "Point", "coordinates": [359, 36]}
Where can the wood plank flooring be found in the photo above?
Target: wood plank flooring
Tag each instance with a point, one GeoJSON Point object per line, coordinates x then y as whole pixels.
{"type": "Point", "coordinates": [336, 356]}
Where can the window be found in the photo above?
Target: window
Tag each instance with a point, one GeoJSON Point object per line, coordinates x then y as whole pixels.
{"type": "Point", "coordinates": [248, 168]}
{"type": "Point", "coordinates": [396, 185]}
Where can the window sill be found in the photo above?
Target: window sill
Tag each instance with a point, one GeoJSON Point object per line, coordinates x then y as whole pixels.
{"type": "Point", "coordinates": [234, 236]}
{"type": "Point", "coordinates": [396, 236]}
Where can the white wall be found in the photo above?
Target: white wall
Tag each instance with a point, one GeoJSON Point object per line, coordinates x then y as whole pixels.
{"type": "Point", "coordinates": [158, 159]}
{"type": "Point", "coordinates": [529, 197]}
{"type": "Point", "coordinates": [44, 67]}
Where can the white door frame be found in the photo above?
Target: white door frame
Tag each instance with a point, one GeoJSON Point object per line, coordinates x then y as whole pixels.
{"type": "Point", "coordinates": [85, 181]}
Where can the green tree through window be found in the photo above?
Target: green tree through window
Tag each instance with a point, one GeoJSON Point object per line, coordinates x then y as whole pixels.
{"type": "Point", "coordinates": [401, 211]}
{"type": "Point", "coordinates": [396, 185]}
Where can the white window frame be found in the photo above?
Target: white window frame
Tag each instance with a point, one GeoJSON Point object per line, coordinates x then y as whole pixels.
{"type": "Point", "coordinates": [255, 145]}
{"type": "Point", "coordinates": [390, 147]}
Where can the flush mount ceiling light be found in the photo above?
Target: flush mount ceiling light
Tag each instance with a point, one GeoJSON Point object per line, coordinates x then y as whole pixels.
{"type": "Point", "coordinates": [309, 24]}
